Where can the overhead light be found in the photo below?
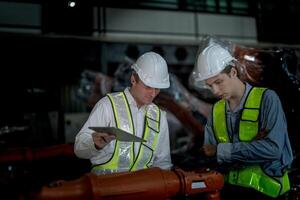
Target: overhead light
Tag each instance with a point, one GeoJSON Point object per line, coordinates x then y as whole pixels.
{"type": "Point", "coordinates": [72, 4]}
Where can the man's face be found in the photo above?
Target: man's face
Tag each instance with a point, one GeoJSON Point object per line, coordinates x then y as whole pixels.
{"type": "Point", "coordinates": [221, 85]}
{"type": "Point", "coordinates": [142, 93]}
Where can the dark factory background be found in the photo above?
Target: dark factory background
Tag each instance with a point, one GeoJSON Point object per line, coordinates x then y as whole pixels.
{"type": "Point", "coordinates": [53, 51]}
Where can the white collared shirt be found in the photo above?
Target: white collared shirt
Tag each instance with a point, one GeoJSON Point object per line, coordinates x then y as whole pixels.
{"type": "Point", "coordinates": [102, 115]}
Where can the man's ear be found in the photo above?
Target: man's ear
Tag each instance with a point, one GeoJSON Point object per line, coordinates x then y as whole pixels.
{"type": "Point", "coordinates": [132, 79]}
{"type": "Point", "coordinates": [233, 72]}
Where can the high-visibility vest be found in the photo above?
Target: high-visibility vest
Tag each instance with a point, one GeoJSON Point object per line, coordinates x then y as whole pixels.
{"type": "Point", "coordinates": [250, 176]}
{"type": "Point", "coordinates": [123, 157]}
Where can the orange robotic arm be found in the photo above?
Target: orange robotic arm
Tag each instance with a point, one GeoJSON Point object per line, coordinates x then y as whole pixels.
{"type": "Point", "coordinates": [147, 184]}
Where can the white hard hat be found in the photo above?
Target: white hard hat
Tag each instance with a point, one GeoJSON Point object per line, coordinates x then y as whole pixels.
{"type": "Point", "coordinates": [152, 70]}
{"type": "Point", "coordinates": [211, 61]}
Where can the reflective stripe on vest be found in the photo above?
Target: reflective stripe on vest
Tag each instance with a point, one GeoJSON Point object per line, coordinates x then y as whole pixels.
{"type": "Point", "coordinates": [123, 156]}
{"type": "Point", "coordinates": [254, 177]}
{"type": "Point", "coordinates": [151, 131]}
{"type": "Point", "coordinates": [249, 125]}
{"type": "Point", "coordinates": [219, 122]}
{"type": "Point", "coordinates": [250, 176]}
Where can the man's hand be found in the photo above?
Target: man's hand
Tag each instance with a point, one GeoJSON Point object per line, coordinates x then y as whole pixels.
{"type": "Point", "coordinates": [102, 139]}
{"type": "Point", "coordinates": [209, 150]}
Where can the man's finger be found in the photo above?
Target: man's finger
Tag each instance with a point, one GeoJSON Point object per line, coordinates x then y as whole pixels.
{"type": "Point", "coordinates": [103, 138]}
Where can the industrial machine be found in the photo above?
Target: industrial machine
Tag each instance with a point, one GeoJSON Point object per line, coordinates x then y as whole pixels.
{"type": "Point", "coordinates": [147, 184]}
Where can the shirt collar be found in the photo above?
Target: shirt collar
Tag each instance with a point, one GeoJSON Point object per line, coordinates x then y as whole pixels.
{"type": "Point", "coordinates": [130, 98]}
{"type": "Point", "coordinates": [241, 104]}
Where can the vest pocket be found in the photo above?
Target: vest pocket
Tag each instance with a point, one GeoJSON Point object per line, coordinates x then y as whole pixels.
{"type": "Point", "coordinates": [250, 114]}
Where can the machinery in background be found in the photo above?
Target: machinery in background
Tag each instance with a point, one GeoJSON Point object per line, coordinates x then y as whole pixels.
{"type": "Point", "coordinates": [147, 184]}
{"type": "Point", "coordinates": [24, 170]}
{"type": "Point", "coordinates": [30, 154]}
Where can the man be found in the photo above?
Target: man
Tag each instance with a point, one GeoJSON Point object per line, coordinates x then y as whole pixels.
{"type": "Point", "coordinates": [246, 130]}
{"type": "Point", "coordinates": [133, 111]}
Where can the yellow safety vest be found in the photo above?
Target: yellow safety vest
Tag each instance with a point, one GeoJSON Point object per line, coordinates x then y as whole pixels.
{"type": "Point", "coordinates": [251, 176]}
{"type": "Point", "coordinates": [123, 157]}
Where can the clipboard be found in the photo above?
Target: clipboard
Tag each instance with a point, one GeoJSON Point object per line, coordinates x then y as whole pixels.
{"type": "Point", "coordinates": [120, 134]}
